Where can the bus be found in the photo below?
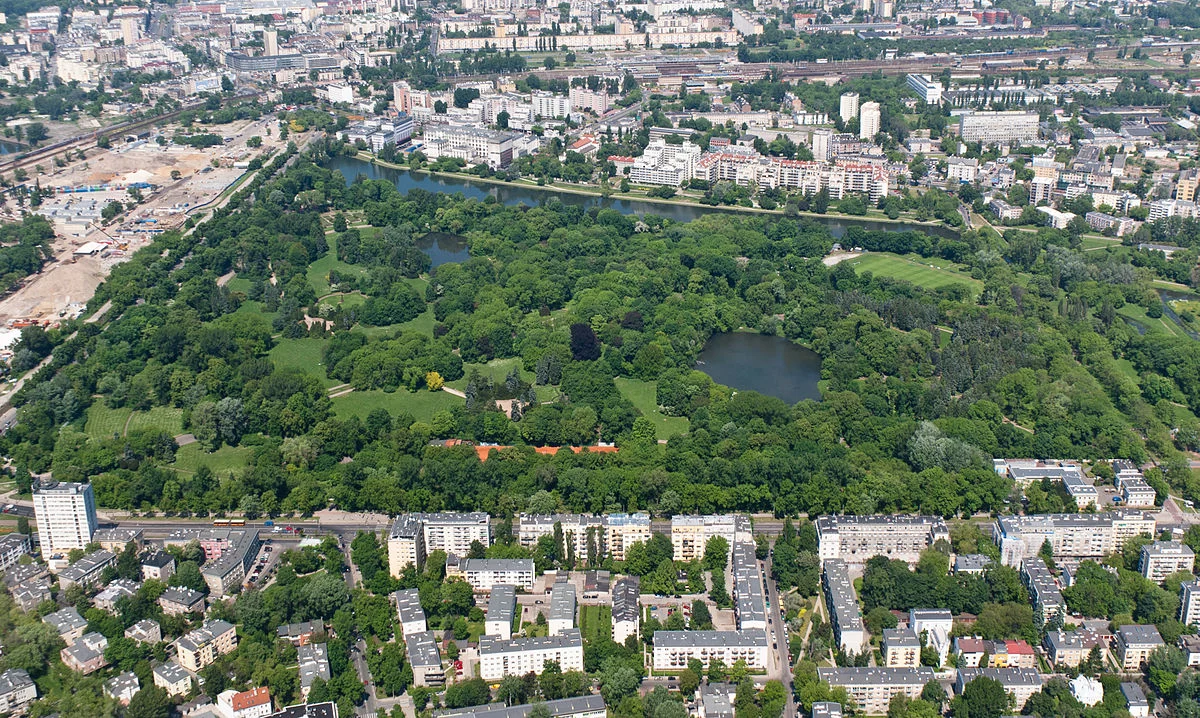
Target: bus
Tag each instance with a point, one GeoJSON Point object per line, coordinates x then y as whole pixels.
{"type": "Point", "coordinates": [226, 523]}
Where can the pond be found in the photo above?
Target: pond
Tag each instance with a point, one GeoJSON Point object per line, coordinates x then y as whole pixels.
{"type": "Point", "coordinates": [443, 248]}
{"type": "Point", "coordinates": [352, 167]}
{"type": "Point", "coordinates": [767, 364]}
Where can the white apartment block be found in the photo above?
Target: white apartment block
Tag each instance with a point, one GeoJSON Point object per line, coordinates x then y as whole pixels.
{"type": "Point", "coordinates": [1070, 535]}
{"type": "Point", "coordinates": [962, 169]}
{"type": "Point", "coordinates": [664, 164]}
{"type": "Point", "coordinates": [485, 573]}
{"type": "Point", "coordinates": [690, 534]}
{"type": "Point", "coordinates": [1163, 558]}
{"type": "Point", "coordinates": [873, 688]}
{"type": "Point", "coordinates": [998, 127]}
{"type": "Point", "coordinates": [501, 610]}
{"type": "Point", "coordinates": [624, 530]}
{"type": "Point", "coordinates": [848, 106]}
{"type": "Point", "coordinates": [584, 99]}
{"type": "Point", "coordinates": [854, 539]}
{"type": "Point", "coordinates": [582, 536]}
{"type": "Point", "coordinates": [901, 648]}
{"type": "Point", "coordinates": [869, 120]}
{"type": "Point", "coordinates": [936, 624]}
{"type": "Point", "coordinates": [516, 657]}
{"type": "Point", "coordinates": [474, 146]}
{"type": "Point", "coordinates": [1189, 603]}
{"type": "Point", "coordinates": [1135, 643]}
{"type": "Point", "coordinates": [844, 614]}
{"type": "Point", "coordinates": [673, 649]}
{"type": "Point", "coordinates": [12, 547]}
{"type": "Point", "coordinates": [16, 689]}
{"type": "Point", "coordinates": [562, 608]}
{"type": "Point", "coordinates": [549, 105]}
{"type": "Point", "coordinates": [926, 87]}
{"type": "Point", "coordinates": [405, 544]}
{"type": "Point", "coordinates": [66, 517]}
{"type": "Point", "coordinates": [409, 613]}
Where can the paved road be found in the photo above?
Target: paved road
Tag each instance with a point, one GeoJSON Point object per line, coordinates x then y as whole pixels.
{"type": "Point", "coordinates": [779, 637]}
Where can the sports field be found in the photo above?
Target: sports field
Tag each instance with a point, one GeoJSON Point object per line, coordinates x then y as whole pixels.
{"type": "Point", "coordinates": [921, 271]}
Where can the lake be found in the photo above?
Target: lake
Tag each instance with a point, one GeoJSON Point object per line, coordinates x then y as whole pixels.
{"type": "Point", "coordinates": [352, 167]}
{"type": "Point", "coordinates": [767, 364]}
{"type": "Point", "coordinates": [443, 248]}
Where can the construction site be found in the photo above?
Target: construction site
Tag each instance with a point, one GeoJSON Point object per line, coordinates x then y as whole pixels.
{"type": "Point", "coordinates": [159, 183]}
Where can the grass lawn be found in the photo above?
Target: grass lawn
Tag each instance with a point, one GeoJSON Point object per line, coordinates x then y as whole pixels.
{"type": "Point", "coordinates": [222, 461]}
{"type": "Point", "coordinates": [422, 404]}
{"type": "Point", "coordinates": [347, 301]}
{"type": "Point", "coordinates": [595, 622]}
{"type": "Point", "coordinates": [498, 370]}
{"type": "Point", "coordinates": [163, 418]}
{"type": "Point", "coordinates": [253, 307]}
{"type": "Point", "coordinates": [1163, 323]}
{"type": "Point", "coordinates": [1089, 242]}
{"type": "Point", "coordinates": [917, 270]}
{"type": "Point", "coordinates": [318, 271]}
{"type": "Point", "coordinates": [1127, 369]}
{"type": "Point", "coordinates": [104, 423]}
{"type": "Point", "coordinates": [643, 395]}
{"type": "Point", "coordinates": [303, 354]}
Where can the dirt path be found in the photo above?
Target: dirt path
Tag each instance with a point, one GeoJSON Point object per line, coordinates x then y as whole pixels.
{"type": "Point", "coordinates": [455, 392]}
{"type": "Point", "coordinates": [839, 257]}
{"type": "Point", "coordinates": [1022, 428]}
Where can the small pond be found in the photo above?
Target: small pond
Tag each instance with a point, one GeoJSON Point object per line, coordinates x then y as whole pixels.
{"type": "Point", "coordinates": [443, 248]}
{"type": "Point", "coordinates": [769, 365]}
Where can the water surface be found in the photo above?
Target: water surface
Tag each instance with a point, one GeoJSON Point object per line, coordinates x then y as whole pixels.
{"type": "Point", "coordinates": [766, 364]}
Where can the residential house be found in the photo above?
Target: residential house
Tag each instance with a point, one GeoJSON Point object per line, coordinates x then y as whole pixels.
{"type": "Point", "coordinates": [172, 678]}
{"type": "Point", "coordinates": [87, 654]}
{"type": "Point", "coordinates": [1135, 643]}
{"type": "Point", "coordinates": [16, 690]}
{"type": "Point", "coordinates": [122, 687]}
{"type": "Point", "coordinates": [201, 646]}
{"type": "Point", "coordinates": [145, 631]}
{"type": "Point", "coordinates": [69, 624]}
{"type": "Point", "coordinates": [179, 601]}
{"type": "Point", "coordinates": [158, 565]}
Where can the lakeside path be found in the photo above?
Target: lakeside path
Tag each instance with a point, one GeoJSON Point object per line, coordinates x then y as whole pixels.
{"type": "Point", "coordinates": [615, 195]}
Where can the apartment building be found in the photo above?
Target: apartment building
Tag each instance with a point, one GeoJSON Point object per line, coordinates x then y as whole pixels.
{"type": "Point", "coordinates": [1135, 643]}
{"type": "Point", "coordinates": [848, 106]}
{"type": "Point", "coordinates": [998, 127]}
{"type": "Point", "coordinates": [65, 513]}
{"type": "Point", "coordinates": [17, 690]}
{"type": "Point", "coordinates": [409, 612]}
{"type": "Point", "coordinates": [962, 169]}
{"type": "Point", "coordinates": [584, 99]}
{"type": "Point", "coordinates": [501, 611]}
{"type": "Point", "coordinates": [122, 687]}
{"type": "Point", "coordinates": [624, 530]}
{"type": "Point", "coordinates": [1077, 536]}
{"type": "Point", "coordinates": [1083, 492]}
{"type": "Point", "coordinates": [1043, 588]}
{"type": "Point", "coordinates": [12, 547]}
{"type": "Point", "coordinates": [145, 631]}
{"type": "Point", "coordinates": [1020, 683]}
{"type": "Point", "coordinates": [854, 539]}
{"type": "Point", "coordinates": [562, 608]}
{"type": "Point", "coordinates": [1189, 603]}
{"type": "Point", "coordinates": [180, 600]}
{"type": "Point", "coordinates": [158, 565]}
{"type": "Point", "coordinates": [750, 601]}
{"type": "Point", "coordinates": [200, 647]}
{"type": "Point", "coordinates": [1070, 648]}
{"type": "Point", "coordinates": [87, 654]}
{"type": "Point", "coordinates": [116, 539]}
{"type": "Point", "coordinates": [551, 106]}
{"type": "Point", "coordinates": [1163, 558]}
{"type": "Point", "coordinates": [936, 624]}
{"type": "Point", "coordinates": [664, 164]}
{"type": "Point", "coordinates": [485, 573]}
{"type": "Point", "coordinates": [690, 534]}
{"type": "Point", "coordinates": [313, 659]}
{"type": "Point", "coordinates": [86, 571]}
{"type": "Point", "coordinates": [869, 120]}
{"type": "Point", "coordinates": [844, 613]}
{"type": "Point", "coordinates": [901, 648]}
{"type": "Point", "coordinates": [302, 633]}
{"type": "Point", "coordinates": [873, 688]}
{"type": "Point", "coordinates": [226, 573]}
{"type": "Point", "coordinates": [67, 623]}
{"type": "Point", "coordinates": [254, 703]}
{"type": "Point", "coordinates": [454, 532]}
{"type": "Point", "coordinates": [673, 649]}
{"type": "Point", "coordinates": [424, 658]}
{"type": "Point", "coordinates": [626, 609]}
{"type": "Point", "coordinates": [583, 537]}
{"type": "Point", "coordinates": [1135, 700]}
{"type": "Point", "coordinates": [172, 678]}
{"type": "Point", "coordinates": [518, 656]}
{"type": "Point", "coordinates": [405, 544]}
{"type": "Point", "coordinates": [474, 146]}
{"type": "Point", "coordinates": [926, 87]}
{"type": "Point", "coordinates": [589, 706]}
{"type": "Point", "coordinates": [119, 588]}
